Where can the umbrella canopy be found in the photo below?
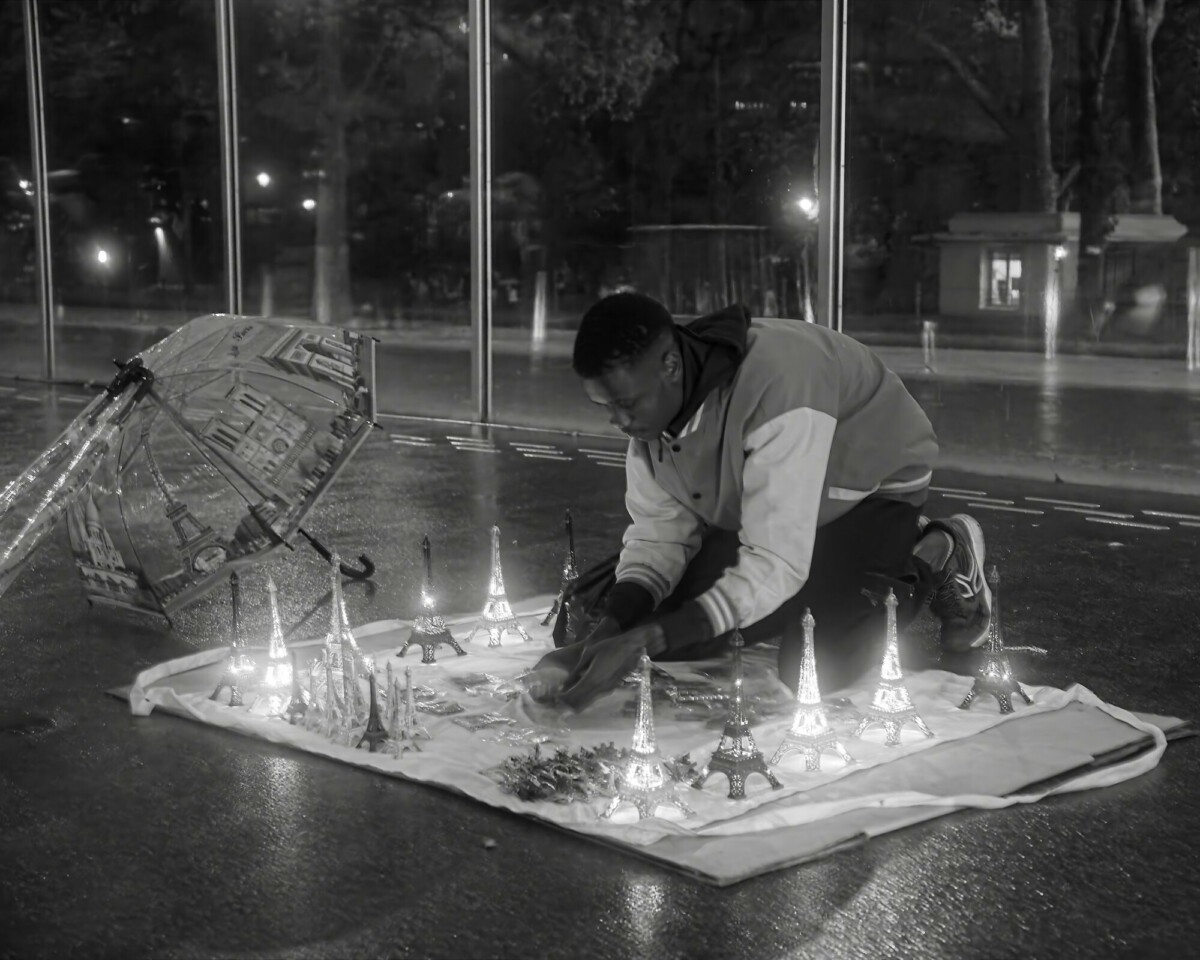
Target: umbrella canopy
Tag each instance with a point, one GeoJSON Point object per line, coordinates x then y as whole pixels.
{"type": "Point", "coordinates": [205, 453]}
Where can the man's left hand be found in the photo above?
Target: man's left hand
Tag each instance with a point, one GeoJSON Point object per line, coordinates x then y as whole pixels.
{"type": "Point", "coordinates": [605, 663]}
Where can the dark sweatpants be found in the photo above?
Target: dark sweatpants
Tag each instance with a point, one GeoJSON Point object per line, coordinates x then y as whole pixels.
{"type": "Point", "coordinates": [869, 548]}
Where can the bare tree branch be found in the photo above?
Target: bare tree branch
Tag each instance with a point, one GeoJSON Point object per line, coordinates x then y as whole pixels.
{"type": "Point", "coordinates": [1155, 11]}
{"type": "Point", "coordinates": [1108, 37]}
{"type": "Point", "coordinates": [976, 87]}
{"type": "Point", "coordinates": [1067, 180]}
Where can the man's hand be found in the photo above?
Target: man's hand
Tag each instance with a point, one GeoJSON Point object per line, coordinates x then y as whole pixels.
{"type": "Point", "coordinates": [546, 679]}
{"type": "Point", "coordinates": [606, 662]}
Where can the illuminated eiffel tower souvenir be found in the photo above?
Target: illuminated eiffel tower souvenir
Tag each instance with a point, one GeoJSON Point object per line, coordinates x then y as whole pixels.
{"type": "Point", "coordinates": [239, 668]}
{"type": "Point", "coordinates": [339, 623]}
{"type": "Point", "coordinates": [353, 717]}
{"type": "Point", "coordinates": [275, 689]}
{"type": "Point", "coordinates": [315, 714]}
{"type": "Point", "coordinates": [891, 707]}
{"type": "Point", "coordinates": [296, 711]}
{"type": "Point", "coordinates": [429, 630]}
{"type": "Point", "coordinates": [405, 729]}
{"type": "Point", "coordinates": [570, 573]}
{"type": "Point", "coordinates": [497, 617]}
{"type": "Point", "coordinates": [737, 755]}
{"type": "Point", "coordinates": [810, 732]}
{"type": "Point", "coordinates": [644, 782]}
{"type": "Point", "coordinates": [995, 676]}
{"type": "Point", "coordinates": [332, 719]}
{"type": "Point", "coordinates": [376, 735]}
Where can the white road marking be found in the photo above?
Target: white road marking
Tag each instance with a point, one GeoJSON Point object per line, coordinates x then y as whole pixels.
{"type": "Point", "coordinates": [545, 456]}
{"type": "Point", "coordinates": [533, 446]}
{"type": "Point", "coordinates": [27, 397]}
{"type": "Point", "coordinates": [1127, 523]}
{"type": "Point", "coordinates": [608, 463]}
{"type": "Point", "coordinates": [1062, 503]}
{"type": "Point", "coordinates": [1170, 516]}
{"type": "Point", "coordinates": [1096, 513]}
{"type": "Point", "coordinates": [972, 496]}
{"type": "Point", "coordinates": [465, 448]}
{"type": "Point", "coordinates": [969, 493]}
{"type": "Point", "coordinates": [1189, 523]}
{"type": "Point", "coordinates": [997, 506]}
{"type": "Point", "coordinates": [410, 436]}
{"type": "Point", "coordinates": [8, 389]}
{"type": "Point", "coordinates": [411, 443]}
{"type": "Point", "coordinates": [603, 453]}
{"type": "Point", "coordinates": [73, 399]}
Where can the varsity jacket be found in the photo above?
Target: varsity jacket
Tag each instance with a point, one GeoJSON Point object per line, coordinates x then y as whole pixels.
{"type": "Point", "coordinates": [810, 424]}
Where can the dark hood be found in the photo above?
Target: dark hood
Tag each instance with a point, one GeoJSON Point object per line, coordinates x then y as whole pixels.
{"type": "Point", "coordinates": [712, 348]}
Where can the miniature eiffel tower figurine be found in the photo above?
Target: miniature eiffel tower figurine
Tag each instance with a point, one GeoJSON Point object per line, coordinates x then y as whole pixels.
{"type": "Point", "coordinates": [570, 573]}
{"type": "Point", "coordinates": [339, 623]}
{"type": "Point", "coordinates": [376, 735]}
{"type": "Point", "coordinates": [429, 630]}
{"type": "Point", "coordinates": [296, 711]}
{"type": "Point", "coordinates": [644, 782]}
{"type": "Point", "coordinates": [239, 667]}
{"type": "Point", "coordinates": [332, 716]}
{"type": "Point", "coordinates": [995, 676]}
{"type": "Point", "coordinates": [315, 715]}
{"type": "Point", "coordinates": [497, 617]}
{"type": "Point", "coordinates": [275, 689]}
{"type": "Point", "coordinates": [810, 732]}
{"type": "Point", "coordinates": [737, 755]}
{"type": "Point", "coordinates": [891, 706]}
{"type": "Point", "coordinates": [404, 716]}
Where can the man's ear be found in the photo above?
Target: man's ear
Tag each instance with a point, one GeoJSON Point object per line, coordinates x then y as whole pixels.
{"type": "Point", "coordinates": [672, 365]}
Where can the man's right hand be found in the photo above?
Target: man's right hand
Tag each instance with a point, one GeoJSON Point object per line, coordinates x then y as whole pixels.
{"type": "Point", "coordinates": [546, 680]}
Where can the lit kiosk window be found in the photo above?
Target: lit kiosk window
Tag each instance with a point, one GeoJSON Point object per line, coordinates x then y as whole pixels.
{"type": "Point", "coordinates": [1002, 280]}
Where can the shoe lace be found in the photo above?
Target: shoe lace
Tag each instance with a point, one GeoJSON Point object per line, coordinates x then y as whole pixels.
{"type": "Point", "coordinates": [953, 596]}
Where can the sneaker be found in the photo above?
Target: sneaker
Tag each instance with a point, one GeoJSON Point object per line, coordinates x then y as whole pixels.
{"type": "Point", "coordinates": [962, 601]}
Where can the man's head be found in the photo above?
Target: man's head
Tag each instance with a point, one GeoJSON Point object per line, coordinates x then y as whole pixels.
{"type": "Point", "coordinates": [627, 353]}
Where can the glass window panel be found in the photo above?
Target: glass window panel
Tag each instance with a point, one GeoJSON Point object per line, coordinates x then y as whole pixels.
{"type": "Point", "coordinates": [21, 339]}
{"type": "Point", "coordinates": [662, 147]}
{"type": "Point", "coordinates": [134, 158]}
{"type": "Point", "coordinates": [355, 162]}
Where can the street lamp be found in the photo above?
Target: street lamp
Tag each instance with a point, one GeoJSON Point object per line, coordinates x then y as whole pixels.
{"type": "Point", "coordinates": [308, 203]}
{"type": "Point", "coordinates": [808, 207]}
{"type": "Point", "coordinates": [263, 178]}
{"type": "Point", "coordinates": [102, 256]}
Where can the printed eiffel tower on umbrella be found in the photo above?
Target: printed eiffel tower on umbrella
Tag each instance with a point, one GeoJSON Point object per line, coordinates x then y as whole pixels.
{"type": "Point", "coordinates": [429, 630]}
{"type": "Point", "coordinates": [497, 617]}
{"type": "Point", "coordinates": [644, 783]}
{"type": "Point", "coordinates": [891, 707]}
{"type": "Point", "coordinates": [275, 690]}
{"type": "Point", "coordinates": [570, 573]}
{"type": "Point", "coordinates": [737, 755]}
{"type": "Point", "coordinates": [239, 668]}
{"type": "Point", "coordinates": [810, 733]}
{"type": "Point", "coordinates": [995, 676]}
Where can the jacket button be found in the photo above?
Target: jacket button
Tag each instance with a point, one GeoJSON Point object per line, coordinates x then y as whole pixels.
{"type": "Point", "coordinates": [695, 496]}
{"type": "Point", "coordinates": [676, 447]}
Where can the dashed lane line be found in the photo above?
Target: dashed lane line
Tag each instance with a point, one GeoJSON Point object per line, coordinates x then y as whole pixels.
{"type": "Point", "coordinates": [1127, 523]}
{"type": "Point", "coordinates": [1167, 515]}
{"type": "Point", "coordinates": [956, 490]}
{"type": "Point", "coordinates": [545, 456]}
{"type": "Point", "coordinates": [74, 399]}
{"type": "Point", "coordinates": [964, 496]}
{"type": "Point", "coordinates": [1097, 513]}
{"type": "Point", "coordinates": [404, 441]}
{"type": "Point", "coordinates": [1062, 503]}
{"type": "Point", "coordinates": [27, 398]}
{"type": "Point", "coordinates": [996, 505]}
{"type": "Point", "coordinates": [533, 446]}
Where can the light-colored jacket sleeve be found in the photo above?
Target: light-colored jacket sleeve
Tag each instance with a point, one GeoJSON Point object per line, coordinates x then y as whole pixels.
{"type": "Point", "coordinates": [783, 482]}
{"type": "Point", "coordinates": [664, 533]}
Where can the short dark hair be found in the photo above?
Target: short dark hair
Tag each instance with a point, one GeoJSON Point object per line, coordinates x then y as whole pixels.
{"type": "Point", "coordinates": [618, 330]}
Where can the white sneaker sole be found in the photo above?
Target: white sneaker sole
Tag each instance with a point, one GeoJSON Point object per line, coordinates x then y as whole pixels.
{"type": "Point", "coordinates": [978, 549]}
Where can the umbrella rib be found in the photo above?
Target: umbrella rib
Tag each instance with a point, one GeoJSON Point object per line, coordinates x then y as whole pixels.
{"type": "Point", "coordinates": [189, 434]}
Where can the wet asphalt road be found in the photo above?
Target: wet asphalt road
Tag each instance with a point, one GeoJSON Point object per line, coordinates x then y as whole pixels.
{"type": "Point", "coordinates": [126, 836]}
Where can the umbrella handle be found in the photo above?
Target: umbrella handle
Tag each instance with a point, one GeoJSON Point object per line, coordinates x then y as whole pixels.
{"type": "Point", "coordinates": [368, 568]}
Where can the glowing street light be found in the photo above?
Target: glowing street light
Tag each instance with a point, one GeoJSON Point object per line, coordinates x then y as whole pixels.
{"type": "Point", "coordinates": [1060, 252]}
{"type": "Point", "coordinates": [808, 207]}
{"type": "Point", "coordinates": [263, 178]}
{"type": "Point", "coordinates": [102, 256]}
{"type": "Point", "coordinates": [308, 203]}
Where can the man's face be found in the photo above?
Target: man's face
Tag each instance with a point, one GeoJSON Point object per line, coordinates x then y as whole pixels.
{"type": "Point", "coordinates": [642, 397]}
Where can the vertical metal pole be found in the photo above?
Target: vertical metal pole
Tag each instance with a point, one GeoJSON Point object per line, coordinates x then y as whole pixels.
{"type": "Point", "coordinates": [479, 28]}
{"type": "Point", "coordinates": [831, 163]}
{"type": "Point", "coordinates": [231, 206]}
{"type": "Point", "coordinates": [41, 178]}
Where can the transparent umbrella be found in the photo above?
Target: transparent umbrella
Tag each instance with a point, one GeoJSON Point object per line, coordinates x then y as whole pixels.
{"type": "Point", "coordinates": [204, 454]}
